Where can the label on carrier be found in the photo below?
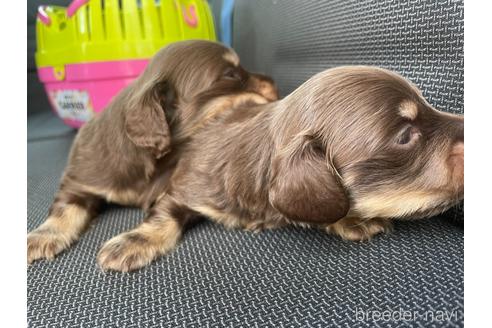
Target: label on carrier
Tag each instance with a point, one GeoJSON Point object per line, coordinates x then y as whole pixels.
{"type": "Point", "coordinates": [72, 104]}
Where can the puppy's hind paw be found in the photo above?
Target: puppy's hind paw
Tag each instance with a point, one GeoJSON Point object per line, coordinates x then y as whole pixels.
{"type": "Point", "coordinates": [356, 229]}
{"type": "Point", "coordinates": [45, 243]}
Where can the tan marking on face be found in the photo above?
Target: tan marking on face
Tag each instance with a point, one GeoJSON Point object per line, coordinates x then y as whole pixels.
{"type": "Point", "coordinates": [408, 109]}
{"type": "Point", "coordinates": [393, 204]}
{"type": "Point", "coordinates": [231, 57]}
{"type": "Point", "coordinates": [434, 187]}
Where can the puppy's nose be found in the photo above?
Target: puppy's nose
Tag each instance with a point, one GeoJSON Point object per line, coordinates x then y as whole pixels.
{"type": "Point", "coordinates": [457, 164]}
{"type": "Point", "coordinates": [461, 129]}
{"type": "Point", "coordinates": [455, 127]}
{"type": "Point", "coordinates": [264, 85]}
{"type": "Point", "coordinates": [458, 149]}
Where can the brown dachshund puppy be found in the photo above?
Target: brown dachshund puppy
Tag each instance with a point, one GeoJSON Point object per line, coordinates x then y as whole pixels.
{"type": "Point", "coordinates": [126, 154]}
{"type": "Point", "coordinates": [350, 149]}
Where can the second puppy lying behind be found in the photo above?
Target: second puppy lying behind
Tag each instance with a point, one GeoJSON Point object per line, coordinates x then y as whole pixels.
{"type": "Point", "coordinates": [126, 154]}
{"type": "Point", "coordinates": [347, 151]}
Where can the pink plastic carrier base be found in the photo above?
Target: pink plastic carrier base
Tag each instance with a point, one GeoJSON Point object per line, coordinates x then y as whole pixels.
{"type": "Point", "coordinates": [87, 88]}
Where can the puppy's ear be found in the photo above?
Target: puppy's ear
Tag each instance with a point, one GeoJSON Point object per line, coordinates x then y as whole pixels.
{"type": "Point", "coordinates": [303, 187]}
{"type": "Point", "coordinates": [145, 122]}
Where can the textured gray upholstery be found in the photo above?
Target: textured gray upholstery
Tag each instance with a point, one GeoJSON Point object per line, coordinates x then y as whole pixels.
{"type": "Point", "coordinates": [292, 40]}
{"type": "Point", "coordinates": [289, 277]}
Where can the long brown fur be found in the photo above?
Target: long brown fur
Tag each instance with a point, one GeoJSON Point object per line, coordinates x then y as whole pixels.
{"type": "Point", "coordinates": [127, 154]}
{"type": "Point", "coordinates": [349, 150]}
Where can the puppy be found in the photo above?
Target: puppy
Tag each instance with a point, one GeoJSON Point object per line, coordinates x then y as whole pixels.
{"type": "Point", "coordinates": [348, 151]}
{"type": "Point", "coordinates": [126, 154]}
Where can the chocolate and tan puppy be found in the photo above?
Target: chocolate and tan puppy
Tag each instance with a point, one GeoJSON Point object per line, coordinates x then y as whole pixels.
{"type": "Point", "coordinates": [126, 154]}
{"type": "Point", "coordinates": [349, 150]}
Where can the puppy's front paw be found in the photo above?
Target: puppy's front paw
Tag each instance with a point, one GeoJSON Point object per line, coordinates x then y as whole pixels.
{"type": "Point", "coordinates": [45, 243]}
{"type": "Point", "coordinates": [356, 229]}
{"type": "Point", "coordinates": [126, 252]}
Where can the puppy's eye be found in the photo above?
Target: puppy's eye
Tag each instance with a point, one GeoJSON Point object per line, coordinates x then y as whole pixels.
{"type": "Point", "coordinates": [231, 74]}
{"type": "Point", "coordinates": [408, 135]}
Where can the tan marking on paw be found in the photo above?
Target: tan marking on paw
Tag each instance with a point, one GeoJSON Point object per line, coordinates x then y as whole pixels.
{"type": "Point", "coordinates": [123, 253]}
{"type": "Point", "coordinates": [45, 244]}
{"type": "Point", "coordinates": [56, 234]}
{"type": "Point", "coordinates": [139, 247]}
{"type": "Point", "coordinates": [356, 229]}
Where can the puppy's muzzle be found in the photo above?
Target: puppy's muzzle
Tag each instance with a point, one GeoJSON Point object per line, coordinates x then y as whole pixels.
{"type": "Point", "coordinates": [456, 162]}
{"type": "Point", "coordinates": [264, 86]}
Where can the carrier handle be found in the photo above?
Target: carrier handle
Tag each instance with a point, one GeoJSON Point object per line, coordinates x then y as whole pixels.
{"type": "Point", "coordinates": [74, 6]}
{"type": "Point", "coordinates": [43, 16]}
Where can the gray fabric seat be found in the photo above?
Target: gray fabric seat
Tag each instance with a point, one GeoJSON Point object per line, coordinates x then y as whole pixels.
{"type": "Point", "coordinates": [290, 277]}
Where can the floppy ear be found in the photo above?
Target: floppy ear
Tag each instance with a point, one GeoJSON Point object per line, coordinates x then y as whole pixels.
{"type": "Point", "coordinates": [145, 121]}
{"type": "Point", "coordinates": [303, 186]}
